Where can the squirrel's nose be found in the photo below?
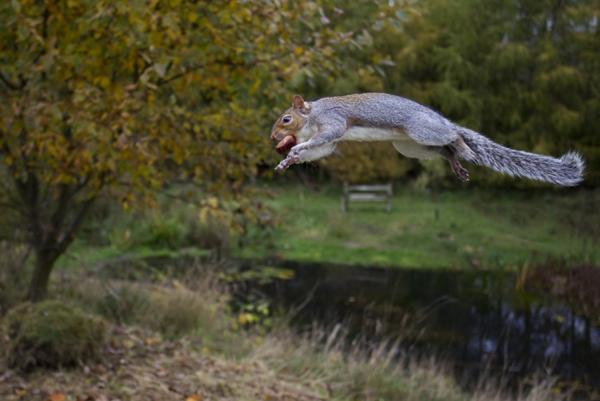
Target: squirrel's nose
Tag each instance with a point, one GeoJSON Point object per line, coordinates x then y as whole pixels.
{"type": "Point", "coordinates": [277, 135]}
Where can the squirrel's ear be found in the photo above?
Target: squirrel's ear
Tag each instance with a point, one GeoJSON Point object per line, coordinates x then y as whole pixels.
{"type": "Point", "coordinates": [297, 102]}
{"type": "Point", "coordinates": [300, 105]}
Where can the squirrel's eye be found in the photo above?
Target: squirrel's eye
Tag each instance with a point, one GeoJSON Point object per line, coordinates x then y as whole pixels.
{"type": "Point", "coordinates": [286, 119]}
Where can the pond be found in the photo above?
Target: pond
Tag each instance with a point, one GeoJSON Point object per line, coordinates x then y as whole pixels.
{"type": "Point", "coordinates": [475, 320]}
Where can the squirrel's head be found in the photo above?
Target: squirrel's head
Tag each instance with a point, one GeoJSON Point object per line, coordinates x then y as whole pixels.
{"type": "Point", "coordinates": [289, 124]}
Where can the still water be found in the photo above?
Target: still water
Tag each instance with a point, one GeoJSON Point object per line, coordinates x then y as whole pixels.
{"type": "Point", "coordinates": [476, 320]}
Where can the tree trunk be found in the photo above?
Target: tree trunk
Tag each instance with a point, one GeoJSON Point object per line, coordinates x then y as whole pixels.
{"type": "Point", "coordinates": [38, 289]}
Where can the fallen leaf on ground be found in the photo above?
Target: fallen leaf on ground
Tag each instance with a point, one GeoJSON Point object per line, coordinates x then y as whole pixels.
{"type": "Point", "coordinates": [56, 397]}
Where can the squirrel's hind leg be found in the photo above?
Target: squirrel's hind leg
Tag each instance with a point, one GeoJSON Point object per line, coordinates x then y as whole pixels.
{"type": "Point", "coordinates": [458, 170]}
{"type": "Point", "coordinates": [449, 154]}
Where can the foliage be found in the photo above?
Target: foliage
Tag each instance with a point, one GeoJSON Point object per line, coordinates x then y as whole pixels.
{"type": "Point", "coordinates": [118, 98]}
{"type": "Point", "coordinates": [176, 223]}
{"type": "Point", "coordinates": [161, 233]}
{"type": "Point", "coordinates": [51, 334]}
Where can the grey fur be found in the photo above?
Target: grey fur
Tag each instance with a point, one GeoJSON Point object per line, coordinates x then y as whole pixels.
{"type": "Point", "coordinates": [329, 118]}
{"type": "Point", "coordinates": [566, 171]}
{"type": "Point", "coordinates": [381, 110]}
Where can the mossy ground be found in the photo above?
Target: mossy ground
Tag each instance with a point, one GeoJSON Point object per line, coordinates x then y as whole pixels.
{"type": "Point", "coordinates": [454, 229]}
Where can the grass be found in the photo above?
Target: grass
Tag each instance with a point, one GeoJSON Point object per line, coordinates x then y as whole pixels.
{"type": "Point", "coordinates": [95, 256]}
{"type": "Point", "coordinates": [376, 371]}
{"type": "Point", "coordinates": [211, 357]}
{"type": "Point", "coordinates": [163, 304]}
{"type": "Point", "coordinates": [176, 339]}
{"type": "Point", "coordinates": [465, 228]}
{"type": "Point", "coordinates": [51, 334]}
{"type": "Point", "coordinates": [454, 229]}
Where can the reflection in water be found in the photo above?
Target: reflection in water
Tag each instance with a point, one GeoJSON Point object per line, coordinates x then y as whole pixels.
{"type": "Point", "coordinates": [478, 320]}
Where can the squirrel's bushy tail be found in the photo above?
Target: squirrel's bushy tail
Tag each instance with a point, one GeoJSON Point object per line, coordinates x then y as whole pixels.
{"type": "Point", "coordinates": [566, 170]}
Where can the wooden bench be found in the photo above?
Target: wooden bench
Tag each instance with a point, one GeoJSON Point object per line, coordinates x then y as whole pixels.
{"type": "Point", "coordinates": [367, 193]}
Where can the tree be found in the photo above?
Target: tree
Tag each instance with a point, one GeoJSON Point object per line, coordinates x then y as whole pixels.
{"type": "Point", "coordinates": [116, 98]}
{"type": "Point", "coordinates": [523, 72]}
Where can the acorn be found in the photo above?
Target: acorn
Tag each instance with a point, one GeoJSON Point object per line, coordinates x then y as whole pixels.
{"type": "Point", "coordinates": [285, 144]}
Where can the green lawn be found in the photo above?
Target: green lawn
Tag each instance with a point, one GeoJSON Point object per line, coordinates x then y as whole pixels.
{"type": "Point", "coordinates": [455, 229]}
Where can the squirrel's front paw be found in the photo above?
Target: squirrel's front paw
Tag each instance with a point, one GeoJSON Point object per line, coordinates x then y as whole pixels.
{"type": "Point", "coordinates": [287, 162]}
{"type": "Point", "coordinates": [282, 166]}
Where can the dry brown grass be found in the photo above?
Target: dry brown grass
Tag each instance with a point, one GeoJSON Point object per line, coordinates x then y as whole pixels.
{"type": "Point", "coordinates": [194, 305]}
{"type": "Point", "coordinates": [355, 371]}
{"type": "Point", "coordinates": [137, 365]}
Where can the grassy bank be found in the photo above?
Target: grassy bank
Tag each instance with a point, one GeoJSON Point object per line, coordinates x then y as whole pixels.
{"type": "Point", "coordinates": [460, 228]}
{"type": "Point", "coordinates": [452, 229]}
{"type": "Point", "coordinates": [177, 339]}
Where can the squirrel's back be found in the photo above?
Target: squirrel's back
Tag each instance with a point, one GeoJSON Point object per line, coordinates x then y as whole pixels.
{"type": "Point", "coordinates": [424, 125]}
{"type": "Point", "coordinates": [374, 105]}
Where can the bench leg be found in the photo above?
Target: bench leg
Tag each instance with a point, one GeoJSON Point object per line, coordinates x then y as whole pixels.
{"type": "Point", "coordinates": [344, 204]}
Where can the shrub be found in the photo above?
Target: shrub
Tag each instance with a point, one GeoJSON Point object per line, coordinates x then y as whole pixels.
{"type": "Point", "coordinates": [161, 232]}
{"type": "Point", "coordinates": [168, 307]}
{"type": "Point", "coordinates": [173, 229]}
{"type": "Point", "coordinates": [208, 235]}
{"type": "Point", "coordinates": [176, 311]}
{"type": "Point", "coordinates": [123, 305]}
{"type": "Point", "coordinates": [170, 311]}
{"type": "Point", "coordinates": [51, 334]}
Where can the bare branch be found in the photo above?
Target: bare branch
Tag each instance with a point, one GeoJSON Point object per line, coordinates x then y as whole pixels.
{"type": "Point", "coordinates": [69, 234]}
{"type": "Point", "coordinates": [179, 75]}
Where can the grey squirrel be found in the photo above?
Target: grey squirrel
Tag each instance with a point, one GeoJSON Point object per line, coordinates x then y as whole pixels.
{"type": "Point", "coordinates": [311, 130]}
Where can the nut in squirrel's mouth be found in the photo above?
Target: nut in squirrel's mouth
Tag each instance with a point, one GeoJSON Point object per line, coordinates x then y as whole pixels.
{"type": "Point", "coordinates": [285, 144]}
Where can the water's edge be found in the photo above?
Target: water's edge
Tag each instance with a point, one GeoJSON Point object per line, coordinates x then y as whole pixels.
{"type": "Point", "coordinates": [477, 320]}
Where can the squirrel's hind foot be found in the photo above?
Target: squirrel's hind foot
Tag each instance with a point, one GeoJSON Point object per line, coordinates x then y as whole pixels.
{"type": "Point", "coordinates": [458, 170]}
